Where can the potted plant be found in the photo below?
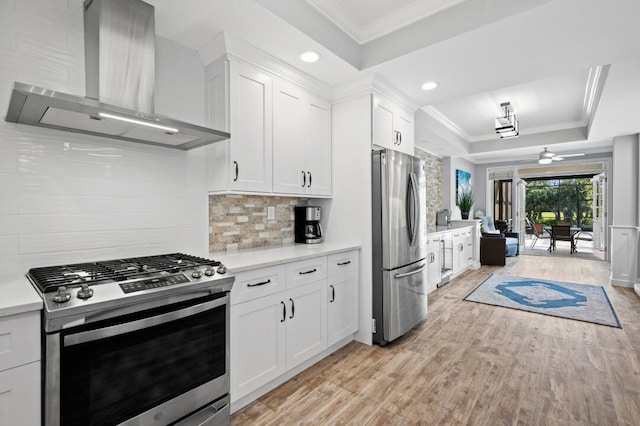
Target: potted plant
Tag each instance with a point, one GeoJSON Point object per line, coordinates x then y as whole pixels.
{"type": "Point", "coordinates": [465, 202]}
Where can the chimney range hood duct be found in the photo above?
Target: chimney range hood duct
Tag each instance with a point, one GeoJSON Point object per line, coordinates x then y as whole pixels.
{"type": "Point", "coordinates": [120, 74]}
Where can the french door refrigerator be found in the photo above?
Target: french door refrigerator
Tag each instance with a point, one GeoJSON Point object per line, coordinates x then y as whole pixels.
{"type": "Point", "coordinates": [399, 244]}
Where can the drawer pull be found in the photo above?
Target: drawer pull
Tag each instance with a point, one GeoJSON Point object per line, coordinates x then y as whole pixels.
{"type": "Point", "coordinates": [344, 263]}
{"type": "Point", "coordinates": [259, 284]}
{"type": "Point", "coordinates": [308, 272]}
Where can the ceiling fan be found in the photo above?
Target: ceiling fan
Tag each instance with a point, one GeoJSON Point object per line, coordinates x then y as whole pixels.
{"type": "Point", "coordinates": [546, 156]}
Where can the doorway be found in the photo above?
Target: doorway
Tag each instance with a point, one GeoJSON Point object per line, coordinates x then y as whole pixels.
{"type": "Point", "coordinates": [569, 200]}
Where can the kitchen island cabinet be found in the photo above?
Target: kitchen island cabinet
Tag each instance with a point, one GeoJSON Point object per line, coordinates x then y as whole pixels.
{"type": "Point", "coordinates": [290, 307]}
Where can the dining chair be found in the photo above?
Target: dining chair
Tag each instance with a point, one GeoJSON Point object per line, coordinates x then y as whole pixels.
{"type": "Point", "coordinates": [561, 233]}
{"type": "Point", "coordinates": [539, 233]}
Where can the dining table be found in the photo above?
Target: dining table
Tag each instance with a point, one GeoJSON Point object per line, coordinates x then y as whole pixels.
{"type": "Point", "coordinates": [573, 231]}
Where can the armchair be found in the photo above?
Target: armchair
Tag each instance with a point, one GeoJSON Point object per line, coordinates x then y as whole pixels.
{"type": "Point", "coordinates": [496, 246]}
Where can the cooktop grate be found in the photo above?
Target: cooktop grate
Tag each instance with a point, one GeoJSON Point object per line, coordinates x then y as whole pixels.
{"type": "Point", "coordinates": [49, 278]}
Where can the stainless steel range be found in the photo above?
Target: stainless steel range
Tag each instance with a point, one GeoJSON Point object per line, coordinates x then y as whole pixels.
{"type": "Point", "coordinates": [137, 341]}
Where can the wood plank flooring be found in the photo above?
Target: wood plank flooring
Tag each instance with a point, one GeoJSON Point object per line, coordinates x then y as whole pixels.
{"type": "Point", "coordinates": [470, 363]}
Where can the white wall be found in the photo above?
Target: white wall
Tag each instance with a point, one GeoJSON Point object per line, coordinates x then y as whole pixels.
{"type": "Point", "coordinates": [449, 167]}
{"type": "Point", "coordinates": [347, 216]}
{"type": "Point", "coordinates": [66, 197]}
{"type": "Point", "coordinates": [625, 179]}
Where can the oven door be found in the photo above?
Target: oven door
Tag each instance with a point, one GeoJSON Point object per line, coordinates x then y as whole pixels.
{"type": "Point", "coordinates": [150, 368]}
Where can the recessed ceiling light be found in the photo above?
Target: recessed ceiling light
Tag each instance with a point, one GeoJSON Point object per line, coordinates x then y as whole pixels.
{"type": "Point", "coordinates": [309, 56]}
{"type": "Point", "coordinates": [429, 85]}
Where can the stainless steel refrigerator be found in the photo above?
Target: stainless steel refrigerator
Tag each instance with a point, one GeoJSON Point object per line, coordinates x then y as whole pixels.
{"type": "Point", "coordinates": [399, 244]}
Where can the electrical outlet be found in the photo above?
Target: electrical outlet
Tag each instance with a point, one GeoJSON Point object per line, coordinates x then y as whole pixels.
{"type": "Point", "coordinates": [271, 213]}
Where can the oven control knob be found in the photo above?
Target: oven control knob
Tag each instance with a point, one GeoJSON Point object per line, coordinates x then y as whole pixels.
{"type": "Point", "coordinates": [209, 271]}
{"type": "Point", "coordinates": [85, 292]}
{"type": "Point", "coordinates": [196, 274]}
{"type": "Point", "coordinates": [62, 295]}
{"type": "Point", "coordinates": [222, 269]}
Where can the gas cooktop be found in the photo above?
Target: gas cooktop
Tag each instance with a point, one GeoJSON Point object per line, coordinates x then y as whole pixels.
{"type": "Point", "coordinates": [90, 287]}
{"type": "Point", "coordinates": [49, 279]}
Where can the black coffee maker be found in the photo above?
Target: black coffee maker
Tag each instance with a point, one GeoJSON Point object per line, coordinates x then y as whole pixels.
{"type": "Point", "coordinates": [307, 225]}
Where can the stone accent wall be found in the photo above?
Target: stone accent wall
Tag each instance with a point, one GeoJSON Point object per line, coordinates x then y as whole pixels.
{"type": "Point", "coordinates": [433, 165]}
{"type": "Point", "coordinates": [241, 221]}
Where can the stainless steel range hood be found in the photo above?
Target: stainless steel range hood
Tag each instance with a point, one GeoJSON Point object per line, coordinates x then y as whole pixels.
{"type": "Point", "coordinates": [120, 75]}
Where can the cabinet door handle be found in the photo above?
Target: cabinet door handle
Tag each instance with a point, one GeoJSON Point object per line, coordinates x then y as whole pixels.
{"type": "Point", "coordinates": [399, 138]}
{"type": "Point", "coordinates": [293, 308]}
{"type": "Point", "coordinates": [309, 186]}
{"type": "Point", "coordinates": [304, 179]}
{"type": "Point", "coordinates": [236, 165]}
{"type": "Point", "coordinates": [344, 263]}
{"type": "Point", "coordinates": [284, 311]}
{"type": "Point", "coordinates": [395, 137]}
{"type": "Point", "coordinates": [308, 272]}
{"type": "Point", "coordinates": [259, 284]}
{"type": "Point", "coordinates": [333, 294]}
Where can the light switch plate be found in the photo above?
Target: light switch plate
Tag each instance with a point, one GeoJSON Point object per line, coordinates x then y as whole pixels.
{"type": "Point", "coordinates": [271, 213]}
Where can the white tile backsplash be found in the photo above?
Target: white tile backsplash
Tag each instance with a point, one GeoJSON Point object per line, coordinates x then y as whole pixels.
{"type": "Point", "coordinates": [66, 197]}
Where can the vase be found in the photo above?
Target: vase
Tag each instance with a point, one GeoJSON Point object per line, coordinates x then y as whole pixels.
{"type": "Point", "coordinates": [465, 215]}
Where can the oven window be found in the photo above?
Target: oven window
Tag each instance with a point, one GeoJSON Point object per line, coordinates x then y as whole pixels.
{"type": "Point", "coordinates": [110, 380]}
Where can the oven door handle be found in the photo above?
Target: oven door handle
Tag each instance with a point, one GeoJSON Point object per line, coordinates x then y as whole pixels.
{"type": "Point", "coordinates": [115, 330]}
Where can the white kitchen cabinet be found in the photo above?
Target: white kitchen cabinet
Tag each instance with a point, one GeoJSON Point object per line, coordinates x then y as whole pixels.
{"type": "Point", "coordinates": [280, 316]}
{"type": "Point", "coordinates": [258, 343]}
{"type": "Point", "coordinates": [342, 296]}
{"type": "Point", "coordinates": [468, 247]}
{"type": "Point", "coordinates": [463, 249]}
{"type": "Point", "coordinates": [458, 251]}
{"type": "Point", "coordinates": [301, 141]}
{"type": "Point", "coordinates": [306, 322]}
{"type": "Point", "coordinates": [244, 162]}
{"type": "Point", "coordinates": [393, 125]}
{"type": "Point", "coordinates": [272, 334]}
{"type": "Point", "coordinates": [20, 392]}
{"type": "Point", "coordinates": [434, 261]}
{"type": "Point", "coordinates": [280, 133]}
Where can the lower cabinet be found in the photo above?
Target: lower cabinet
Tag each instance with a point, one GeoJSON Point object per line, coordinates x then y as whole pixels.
{"type": "Point", "coordinates": [306, 322]}
{"type": "Point", "coordinates": [258, 343]}
{"type": "Point", "coordinates": [296, 314]}
{"type": "Point", "coordinates": [342, 295]}
{"type": "Point", "coordinates": [20, 386]}
{"type": "Point", "coordinates": [434, 262]}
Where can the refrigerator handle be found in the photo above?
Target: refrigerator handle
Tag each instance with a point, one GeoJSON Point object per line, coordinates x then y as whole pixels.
{"type": "Point", "coordinates": [409, 209]}
{"type": "Point", "coordinates": [408, 274]}
{"type": "Point", "coordinates": [412, 209]}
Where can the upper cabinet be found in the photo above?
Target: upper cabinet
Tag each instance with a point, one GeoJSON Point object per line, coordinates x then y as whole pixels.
{"type": "Point", "coordinates": [281, 133]}
{"type": "Point", "coordinates": [301, 141]}
{"type": "Point", "coordinates": [392, 125]}
{"type": "Point", "coordinates": [244, 163]}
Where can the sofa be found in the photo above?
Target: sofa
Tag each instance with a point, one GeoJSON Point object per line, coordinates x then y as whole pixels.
{"type": "Point", "coordinates": [496, 246]}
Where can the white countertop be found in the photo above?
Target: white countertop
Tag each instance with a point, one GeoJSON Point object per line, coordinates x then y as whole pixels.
{"type": "Point", "coordinates": [244, 260]}
{"type": "Point", "coordinates": [18, 296]}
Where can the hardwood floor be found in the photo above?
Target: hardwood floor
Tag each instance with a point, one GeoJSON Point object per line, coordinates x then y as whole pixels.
{"type": "Point", "coordinates": [470, 363]}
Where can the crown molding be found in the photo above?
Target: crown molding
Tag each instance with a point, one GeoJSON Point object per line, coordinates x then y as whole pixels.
{"type": "Point", "coordinates": [450, 125]}
{"type": "Point", "coordinates": [399, 18]}
{"type": "Point", "coordinates": [234, 48]}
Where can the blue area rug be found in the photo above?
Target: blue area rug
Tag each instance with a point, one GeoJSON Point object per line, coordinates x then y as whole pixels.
{"type": "Point", "coordinates": [580, 302]}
